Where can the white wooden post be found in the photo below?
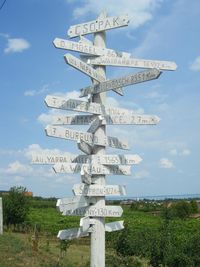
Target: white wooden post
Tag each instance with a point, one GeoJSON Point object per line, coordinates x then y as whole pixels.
{"type": "Point", "coordinates": [97, 252]}
{"type": "Point", "coordinates": [1, 217]}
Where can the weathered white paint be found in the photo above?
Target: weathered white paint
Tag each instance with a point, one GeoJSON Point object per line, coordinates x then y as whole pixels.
{"type": "Point", "coordinates": [72, 203]}
{"type": "Point", "coordinates": [98, 190]}
{"type": "Point", "coordinates": [1, 217]}
{"type": "Point", "coordinates": [96, 123]}
{"type": "Point", "coordinates": [133, 63]}
{"type": "Point", "coordinates": [72, 233]}
{"type": "Point", "coordinates": [129, 159]}
{"type": "Point", "coordinates": [114, 226]}
{"type": "Point", "coordinates": [92, 169]}
{"type": "Point", "coordinates": [58, 158]}
{"type": "Point", "coordinates": [98, 25]}
{"type": "Point", "coordinates": [134, 119]}
{"type": "Point", "coordinates": [85, 223]}
{"type": "Point", "coordinates": [95, 211]}
{"type": "Point", "coordinates": [88, 48]}
{"type": "Point", "coordinates": [91, 139]}
{"type": "Point", "coordinates": [84, 147]}
{"type": "Point", "coordinates": [72, 104]}
{"type": "Point", "coordinates": [130, 79]}
{"type": "Point", "coordinates": [83, 67]}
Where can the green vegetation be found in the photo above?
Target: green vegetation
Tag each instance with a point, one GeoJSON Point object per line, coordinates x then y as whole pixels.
{"type": "Point", "coordinates": [156, 234]}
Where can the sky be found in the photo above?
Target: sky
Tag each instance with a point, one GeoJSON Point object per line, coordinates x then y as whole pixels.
{"type": "Point", "coordinates": [31, 68]}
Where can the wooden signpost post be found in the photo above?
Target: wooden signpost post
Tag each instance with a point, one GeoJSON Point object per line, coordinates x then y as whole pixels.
{"type": "Point", "coordinates": [93, 166]}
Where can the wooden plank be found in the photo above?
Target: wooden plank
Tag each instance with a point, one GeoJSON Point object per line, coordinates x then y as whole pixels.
{"type": "Point", "coordinates": [96, 123]}
{"type": "Point", "coordinates": [83, 67]}
{"type": "Point", "coordinates": [132, 63]}
{"type": "Point", "coordinates": [92, 169]}
{"type": "Point", "coordinates": [127, 80]}
{"type": "Point", "coordinates": [98, 25]}
{"type": "Point", "coordinates": [91, 139]}
{"type": "Point", "coordinates": [72, 203]}
{"type": "Point", "coordinates": [59, 158]}
{"type": "Point", "coordinates": [129, 159]}
{"type": "Point", "coordinates": [84, 147]}
{"type": "Point", "coordinates": [72, 104]}
{"type": "Point", "coordinates": [114, 226]}
{"type": "Point", "coordinates": [94, 211]}
{"type": "Point", "coordinates": [98, 190]}
{"type": "Point", "coordinates": [72, 233]}
{"type": "Point", "coordinates": [134, 119]}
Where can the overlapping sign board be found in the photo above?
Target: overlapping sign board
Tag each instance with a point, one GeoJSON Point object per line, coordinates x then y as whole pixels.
{"type": "Point", "coordinates": [127, 159]}
{"type": "Point", "coordinates": [127, 80]}
{"type": "Point", "coordinates": [95, 211]}
{"type": "Point", "coordinates": [72, 233]}
{"type": "Point", "coordinates": [73, 203]}
{"type": "Point", "coordinates": [132, 63]}
{"type": "Point", "coordinates": [84, 147]}
{"type": "Point", "coordinates": [86, 107]}
{"type": "Point", "coordinates": [87, 48]}
{"type": "Point", "coordinates": [132, 119]}
{"type": "Point", "coordinates": [92, 169]}
{"type": "Point", "coordinates": [101, 24]}
{"type": "Point", "coordinates": [91, 139]}
{"type": "Point", "coordinates": [96, 123]}
{"type": "Point", "coordinates": [88, 70]}
{"type": "Point", "coordinates": [98, 190]}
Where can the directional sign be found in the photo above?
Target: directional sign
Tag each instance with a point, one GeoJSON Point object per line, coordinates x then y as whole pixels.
{"type": "Point", "coordinates": [128, 159]}
{"type": "Point", "coordinates": [83, 67]}
{"type": "Point", "coordinates": [92, 169]}
{"type": "Point", "coordinates": [88, 48]}
{"type": "Point", "coordinates": [98, 25]}
{"type": "Point", "coordinates": [58, 158]}
{"type": "Point", "coordinates": [114, 226]}
{"type": "Point", "coordinates": [83, 106]}
{"type": "Point", "coordinates": [72, 233]}
{"type": "Point", "coordinates": [72, 203]}
{"type": "Point", "coordinates": [85, 223]}
{"type": "Point", "coordinates": [94, 211]}
{"type": "Point", "coordinates": [91, 139]}
{"type": "Point", "coordinates": [98, 190]}
{"type": "Point", "coordinates": [133, 63]}
{"type": "Point", "coordinates": [134, 78]}
{"type": "Point", "coordinates": [84, 147]}
{"type": "Point", "coordinates": [134, 119]}
{"type": "Point", "coordinates": [73, 104]}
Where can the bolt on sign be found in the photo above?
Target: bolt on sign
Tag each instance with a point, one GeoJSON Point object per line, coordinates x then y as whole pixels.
{"type": "Point", "coordinates": [93, 164]}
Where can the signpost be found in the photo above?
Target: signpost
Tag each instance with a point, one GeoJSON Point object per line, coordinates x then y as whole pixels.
{"type": "Point", "coordinates": [95, 164]}
{"type": "Point", "coordinates": [132, 63]}
{"type": "Point", "coordinates": [134, 78]}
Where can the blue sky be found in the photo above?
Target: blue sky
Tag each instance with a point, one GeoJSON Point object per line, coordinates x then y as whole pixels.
{"type": "Point", "coordinates": [31, 68]}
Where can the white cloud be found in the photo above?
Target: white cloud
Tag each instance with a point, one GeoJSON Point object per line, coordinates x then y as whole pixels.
{"type": "Point", "coordinates": [196, 64]}
{"type": "Point", "coordinates": [16, 45]}
{"type": "Point", "coordinates": [186, 152]}
{"type": "Point", "coordinates": [17, 167]}
{"type": "Point", "coordinates": [139, 11]}
{"type": "Point", "coordinates": [166, 163]}
{"type": "Point", "coordinates": [182, 152]}
{"type": "Point", "coordinates": [173, 152]}
{"type": "Point", "coordinates": [44, 89]}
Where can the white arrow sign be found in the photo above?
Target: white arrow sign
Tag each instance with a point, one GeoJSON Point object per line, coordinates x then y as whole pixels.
{"type": "Point", "coordinates": [72, 233]}
{"type": "Point", "coordinates": [135, 119]}
{"type": "Point", "coordinates": [101, 24]}
{"type": "Point", "coordinates": [91, 139]}
{"type": "Point", "coordinates": [96, 123]}
{"type": "Point", "coordinates": [114, 226]}
{"type": "Point", "coordinates": [72, 203]}
{"type": "Point", "coordinates": [87, 47]}
{"type": "Point", "coordinates": [83, 67]}
{"type": "Point", "coordinates": [98, 190]}
{"type": "Point", "coordinates": [83, 106]}
{"type": "Point", "coordinates": [93, 211]}
{"type": "Point", "coordinates": [73, 104]}
{"type": "Point", "coordinates": [134, 78]}
{"type": "Point", "coordinates": [92, 169]}
{"type": "Point", "coordinates": [133, 63]}
{"type": "Point", "coordinates": [128, 159]}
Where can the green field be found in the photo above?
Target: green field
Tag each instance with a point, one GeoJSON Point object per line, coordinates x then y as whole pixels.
{"type": "Point", "coordinates": [147, 240]}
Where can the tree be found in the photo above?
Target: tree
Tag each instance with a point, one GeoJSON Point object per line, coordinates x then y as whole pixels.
{"type": "Point", "coordinates": [15, 205]}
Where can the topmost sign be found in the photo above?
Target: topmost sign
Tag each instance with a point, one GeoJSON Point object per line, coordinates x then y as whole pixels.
{"type": "Point", "coordinates": [101, 24]}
